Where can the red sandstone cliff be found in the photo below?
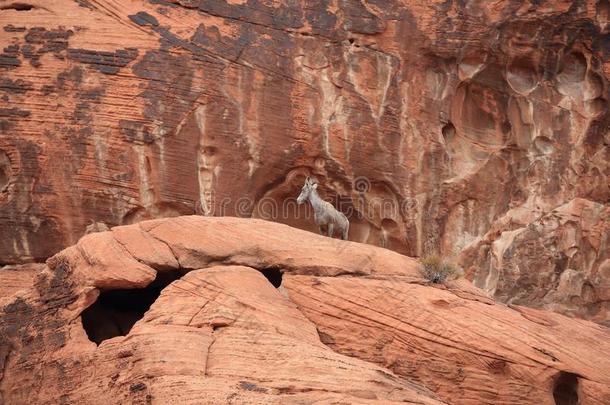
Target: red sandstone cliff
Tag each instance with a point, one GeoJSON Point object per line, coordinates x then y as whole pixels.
{"type": "Point", "coordinates": [477, 128]}
{"type": "Point", "coordinates": [226, 310]}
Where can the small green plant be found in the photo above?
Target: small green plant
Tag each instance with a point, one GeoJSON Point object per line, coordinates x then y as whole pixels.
{"type": "Point", "coordinates": [437, 270]}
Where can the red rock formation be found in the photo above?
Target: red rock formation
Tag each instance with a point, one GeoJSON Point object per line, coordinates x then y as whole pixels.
{"type": "Point", "coordinates": [569, 248]}
{"type": "Point", "coordinates": [14, 278]}
{"type": "Point", "coordinates": [217, 310]}
{"type": "Point", "coordinates": [432, 123]}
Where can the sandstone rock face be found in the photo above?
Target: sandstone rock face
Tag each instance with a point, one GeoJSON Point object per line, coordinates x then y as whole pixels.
{"type": "Point", "coordinates": [228, 310]}
{"type": "Point", "coordinates": [431, 123]}
{"type": "Point", "coordinates": [14, 278]}
{"type": "Point", "coordinates": [569, 251]}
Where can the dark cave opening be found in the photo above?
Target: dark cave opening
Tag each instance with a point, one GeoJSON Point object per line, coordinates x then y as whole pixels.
{"type": "Point", "coordinates": [448, 131]}
{"type": "Point", "coordinates": [274, 275]}
{"type": "Point", "coordinates": [565, 390]}
{"type": "Point", "coordinates": [116, 311]}
{"type": "Point", "coordinates": [17, 7]}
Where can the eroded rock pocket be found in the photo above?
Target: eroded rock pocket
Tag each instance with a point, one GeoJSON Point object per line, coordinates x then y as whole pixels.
{"type": "Point", "coordinates": [5, 171]}
{"type": "Point", "coordinates": [17, 7]}
{"type": "Point", "coordinates": [116, 311]}
{"type": "Point", "coordinates": [565, 389]}
{"type": "Point", "coordinates": [273, 274]}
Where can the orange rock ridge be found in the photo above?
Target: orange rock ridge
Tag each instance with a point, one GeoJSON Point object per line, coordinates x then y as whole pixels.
{"type": "Point", "coordinates": [229, 310]}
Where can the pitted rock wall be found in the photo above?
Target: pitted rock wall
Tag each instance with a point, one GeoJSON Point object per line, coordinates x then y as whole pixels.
{"type": "Point", "coordinates": [436, 125]}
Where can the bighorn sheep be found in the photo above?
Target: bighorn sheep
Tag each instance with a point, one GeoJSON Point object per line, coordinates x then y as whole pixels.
{"type": "Point", "coordinates": [324, 212]}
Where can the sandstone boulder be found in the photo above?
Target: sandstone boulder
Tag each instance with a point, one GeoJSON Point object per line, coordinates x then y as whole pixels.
{"type": "Point", "coordinates": [228, 310]}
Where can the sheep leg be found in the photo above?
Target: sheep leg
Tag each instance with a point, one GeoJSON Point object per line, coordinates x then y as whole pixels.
{"type": "Point", "coordinates": [345, 231]}
{"type": "Point", "coordinates": [330, 229]}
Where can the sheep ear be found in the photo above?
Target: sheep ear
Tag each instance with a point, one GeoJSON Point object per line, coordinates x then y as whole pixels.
{"type": "Point", "coordinates": [314, 186]}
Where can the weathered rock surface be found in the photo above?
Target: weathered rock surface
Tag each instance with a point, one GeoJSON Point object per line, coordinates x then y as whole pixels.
{"type": "Point", "coordinates": [228, 310]}
{"type": "Point", "coordinates": [17, 277]}
{"type": "Point", "coordinates": [429, 122]}
{"type": "Point", "coordinates": [560, 261]}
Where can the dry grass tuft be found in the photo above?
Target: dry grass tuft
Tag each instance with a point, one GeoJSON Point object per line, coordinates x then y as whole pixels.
{"type": "Point", "coordinates": [437, 270]}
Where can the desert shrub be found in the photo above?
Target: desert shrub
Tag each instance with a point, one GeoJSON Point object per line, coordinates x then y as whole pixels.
{"type": "Point", "coordinates": [437, 270]}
